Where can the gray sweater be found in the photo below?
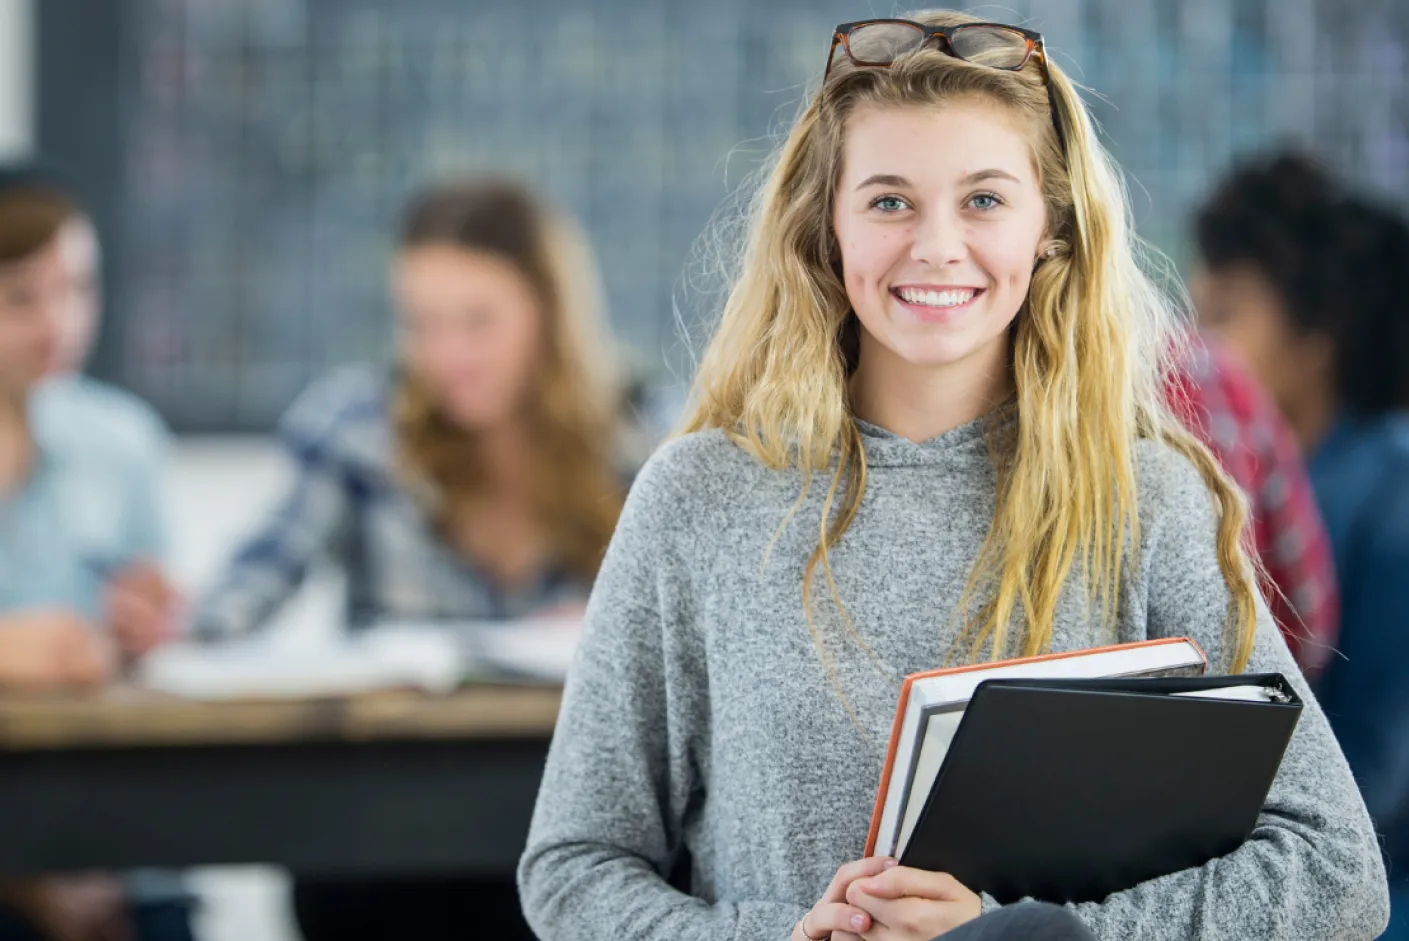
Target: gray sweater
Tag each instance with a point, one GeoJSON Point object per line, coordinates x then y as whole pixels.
{"type": "Point", "coordinates": [699, 714]}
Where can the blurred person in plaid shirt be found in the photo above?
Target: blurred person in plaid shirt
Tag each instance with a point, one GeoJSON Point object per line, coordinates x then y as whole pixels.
{"type": "Point", "coordinates": [1223, 404]}
{"type": "Point", "coordinates": [478, 479]}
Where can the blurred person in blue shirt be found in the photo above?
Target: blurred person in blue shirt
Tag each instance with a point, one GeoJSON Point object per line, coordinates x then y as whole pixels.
{"type": "Point", "coordinates": [80, 526]}
{"type": "Point", "coordinates": [480, 478]}
{"type": "Point", "coordinates": [83, 462]}
{"type": "Point", "coordinates": [1306, 282]}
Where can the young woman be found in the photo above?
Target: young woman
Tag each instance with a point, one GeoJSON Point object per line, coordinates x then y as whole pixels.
{"type": "Point", "coordinates": [930, 426]}
{"type": "Point", "coordinates": [482, 480]}
{"type": "Point", "coordinates": [1305, 282]}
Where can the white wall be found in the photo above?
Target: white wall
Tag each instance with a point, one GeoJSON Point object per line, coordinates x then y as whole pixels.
{"type": "Point", "coordinates": [16, 78]}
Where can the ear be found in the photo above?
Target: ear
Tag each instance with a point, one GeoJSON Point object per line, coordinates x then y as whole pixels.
{"type": "Point", "coordinates": [1050, 248]}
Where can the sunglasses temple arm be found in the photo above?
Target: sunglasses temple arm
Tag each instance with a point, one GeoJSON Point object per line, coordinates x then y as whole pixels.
{"type": "Point", "coordinates": [831, 57]}
{"type": "Point", "coordinates": [1051, 98]}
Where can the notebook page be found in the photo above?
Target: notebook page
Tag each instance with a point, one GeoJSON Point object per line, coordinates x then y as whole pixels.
{"type": "Point", "coordinates": [939, 735]}
{"type": "Point", "coordinates": [1244, 693]}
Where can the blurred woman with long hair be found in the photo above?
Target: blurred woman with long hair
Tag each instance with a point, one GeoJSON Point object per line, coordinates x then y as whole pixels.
{"type": "Point", "coordinates": [480, 479]}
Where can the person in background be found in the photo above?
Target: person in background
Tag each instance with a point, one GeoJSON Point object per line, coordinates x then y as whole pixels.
{"type": "Point", "coordinates": [139, 604]}
{"type": "Point", "coordinates": [1304, 281]}
{"type": "Point", "coordinates": [1222, 403]}
{"type": "Point", "coordinates": [479, 479]}
{"type": "Point", "coordinates": [81, 537]}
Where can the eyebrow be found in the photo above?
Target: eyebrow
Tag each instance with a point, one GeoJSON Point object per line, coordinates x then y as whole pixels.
{"type": "Point", "coordinates": [890, 179]}
{"type": "Point", "coordinates": [992, 173]}
{"type": "Point", "coordinates": [883, 179]}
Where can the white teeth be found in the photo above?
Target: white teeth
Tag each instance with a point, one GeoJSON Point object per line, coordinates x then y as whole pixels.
{"type": "Point", "coordinates": [935, 298]}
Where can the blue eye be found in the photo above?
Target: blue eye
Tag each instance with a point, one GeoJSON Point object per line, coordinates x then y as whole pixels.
{"type": "Point", "coordinates": [889, 204]}
{"type": "Point", "coordinates": [990, 201]}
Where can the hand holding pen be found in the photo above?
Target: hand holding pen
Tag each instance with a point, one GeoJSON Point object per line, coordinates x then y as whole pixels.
{"type": "Point", "coordinates": [140, 607]}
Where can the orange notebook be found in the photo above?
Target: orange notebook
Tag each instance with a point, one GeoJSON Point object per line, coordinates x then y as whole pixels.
{"type": "Point", "coordinates": [932, 703]}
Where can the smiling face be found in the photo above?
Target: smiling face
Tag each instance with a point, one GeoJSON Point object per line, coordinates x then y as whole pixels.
{"type": "Point", "coordinates": [939, 215]}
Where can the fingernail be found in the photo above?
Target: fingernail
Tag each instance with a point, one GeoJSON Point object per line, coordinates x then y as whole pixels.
{"type": "Point", "coordinates": [857, 921]}
{"type": "Point", "coordinates": [892, 863]}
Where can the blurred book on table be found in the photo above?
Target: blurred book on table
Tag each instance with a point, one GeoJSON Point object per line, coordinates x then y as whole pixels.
{"type": "Point", "coordinates": [433, 657]}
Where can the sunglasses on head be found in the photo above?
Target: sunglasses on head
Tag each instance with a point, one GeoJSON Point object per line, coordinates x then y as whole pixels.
{"type": "Point", "coordinates": [878, 43]}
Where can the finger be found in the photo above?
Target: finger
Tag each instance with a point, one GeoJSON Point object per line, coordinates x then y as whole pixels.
{"type": "Point", "coordinates": [904, 881]}
{"type": "Point", "coordinates": [124, 608]}
{"type": "Point", "coordinates": [832, 917]}
{"type": "Point", "coordinates": [912, 917]}
{"type": "Point", "coordinates": [893, 918]}
{"type": "Point", "coordinates": [880, 909]}
{"type": "Point", "coordinates": [860, 869]}
{"type": "Point", "coordinates": [894, 914]}
{"type": "Point", "coordinates": [143, 582]}
{"type": "Point", "coordinates": [134, 617]}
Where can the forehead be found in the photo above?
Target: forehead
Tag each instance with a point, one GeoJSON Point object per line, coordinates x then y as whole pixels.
{"type": "Point", "coordinates": [939, 143]}
{"type": "Point", "coordinates": [39, 264]}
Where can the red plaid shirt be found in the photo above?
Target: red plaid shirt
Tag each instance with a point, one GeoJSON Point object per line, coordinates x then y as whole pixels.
{"type": "Point", "coordinates": [1224, 406]}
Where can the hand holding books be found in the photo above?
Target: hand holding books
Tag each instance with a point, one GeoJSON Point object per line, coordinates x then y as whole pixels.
{"type": "Point", "coordinates": [833, 917]}
{"type": "Point", "coordinates": [906, 903]}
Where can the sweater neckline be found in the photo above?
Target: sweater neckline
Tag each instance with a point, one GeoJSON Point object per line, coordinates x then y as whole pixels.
{"type": "Point", "coordinates": [885, 448]}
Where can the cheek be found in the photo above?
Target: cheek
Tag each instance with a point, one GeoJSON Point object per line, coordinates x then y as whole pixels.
{"type": "Point", "coordinates": [1258, 342]}
{"type": "Point", "coordinates": [507, 356]}
{"type": "Point", "coordinates": [869, 254]}
{"type": "Point", "coordinates": [1007, 261]}
{"type": "Point", "coordinates": [1253, 335]}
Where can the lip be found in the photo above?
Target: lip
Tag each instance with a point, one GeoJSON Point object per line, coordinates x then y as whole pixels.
{"type": "Point", "coordinates": [936, 314]}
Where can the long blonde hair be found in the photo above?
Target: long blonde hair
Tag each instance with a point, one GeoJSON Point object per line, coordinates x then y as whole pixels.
{"type": "Point", "coordinates": [572, 407]}
{"type": "Point", "coordinates": [1091, 349]}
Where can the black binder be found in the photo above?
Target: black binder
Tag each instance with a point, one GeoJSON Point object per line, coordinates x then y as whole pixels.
{"type": "Point", "coordinates": [1069, 790]}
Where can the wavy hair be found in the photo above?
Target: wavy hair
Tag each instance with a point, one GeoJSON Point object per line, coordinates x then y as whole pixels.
{"type": "Point", "coordinates": [572, 407]}
{"type": "Point", "coordinates": [1091, 348]}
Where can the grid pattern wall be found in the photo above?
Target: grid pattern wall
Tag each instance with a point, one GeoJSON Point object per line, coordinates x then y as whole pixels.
{"type": "Point", "coordinates": [270, 143]}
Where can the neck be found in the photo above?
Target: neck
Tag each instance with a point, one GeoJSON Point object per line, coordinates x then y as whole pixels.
{"type": "Point", "coordinates": [920, 402]}
{"type": "Point", "coordinates": [507, 454]}
{"type": "Point", "coordinates": [16, 446]}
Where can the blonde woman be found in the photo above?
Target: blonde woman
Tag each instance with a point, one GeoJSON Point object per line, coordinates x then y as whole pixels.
{"type": "Point", "coordinates": [929, 426]}
{"type": "Point", "coordinates": [481, 480]}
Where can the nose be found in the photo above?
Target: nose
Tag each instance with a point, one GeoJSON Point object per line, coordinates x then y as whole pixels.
{"type": "Point", "coordinates": [938, 238]}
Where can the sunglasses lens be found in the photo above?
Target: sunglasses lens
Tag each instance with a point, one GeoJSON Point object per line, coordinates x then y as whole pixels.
{"type": "Point", "coordinates": [992, 46]}
{"type": "Point", "coordinates": [880, 43]}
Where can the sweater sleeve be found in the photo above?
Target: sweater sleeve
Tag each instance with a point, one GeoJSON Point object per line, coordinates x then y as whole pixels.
{"type": "Point", "coordinates": [1311, 870]}
{"type": "Point", "coordinates": [622, 780]}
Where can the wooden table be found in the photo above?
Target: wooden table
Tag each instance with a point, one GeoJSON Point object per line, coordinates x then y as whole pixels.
{"type": "Point", "coordinates": [391, 783]}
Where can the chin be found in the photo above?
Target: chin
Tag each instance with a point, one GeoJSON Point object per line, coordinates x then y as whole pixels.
{"type": "Point", "coordinates": [473, 417]}
{"type": "Point", "coordinates": [935, 354]}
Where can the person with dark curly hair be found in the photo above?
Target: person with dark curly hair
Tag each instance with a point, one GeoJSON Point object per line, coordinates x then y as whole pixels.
{"type": "Point", "coordinates": [1304, 280]}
